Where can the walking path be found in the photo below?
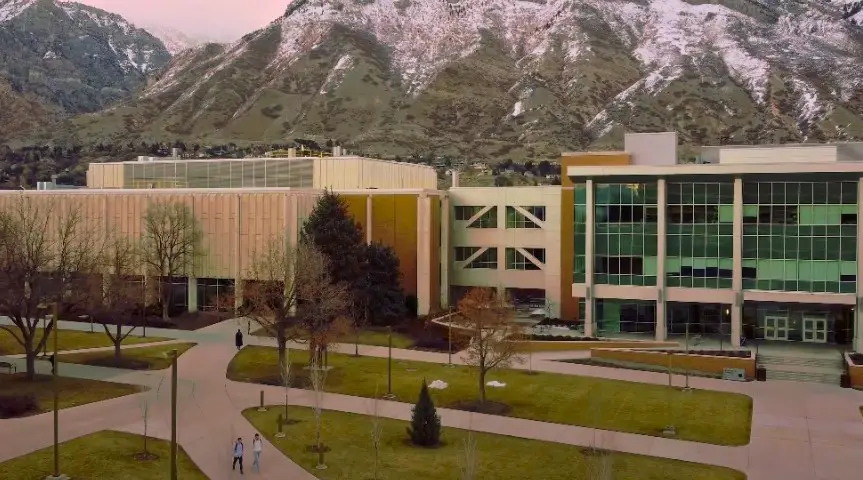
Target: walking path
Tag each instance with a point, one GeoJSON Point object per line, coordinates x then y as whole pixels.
{"type": "Point", "coordinates": [800, 431]}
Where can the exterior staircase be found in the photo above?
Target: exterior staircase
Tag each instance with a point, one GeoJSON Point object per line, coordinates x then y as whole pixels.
{"type": "Point", "coordinates": [799, 368]}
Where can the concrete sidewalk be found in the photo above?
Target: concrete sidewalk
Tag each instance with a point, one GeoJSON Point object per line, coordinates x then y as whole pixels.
{"type": "Point", "coordinates": [800, 431]}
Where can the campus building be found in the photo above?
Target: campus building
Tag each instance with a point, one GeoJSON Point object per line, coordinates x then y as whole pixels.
{"type": "Point", "coordinates": [750, 241]}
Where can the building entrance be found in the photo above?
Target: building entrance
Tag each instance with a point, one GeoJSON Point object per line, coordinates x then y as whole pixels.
{"type": "Point", "coordinates": [776, 327]}
{"type": "Point", "coordinates": [815, 329]}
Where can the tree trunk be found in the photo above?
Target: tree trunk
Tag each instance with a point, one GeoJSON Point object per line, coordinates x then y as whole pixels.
{"type": "Point", "coordinates": [283, 348]}
{"type": "Point", "coordinates": [31, 363]}
{"type": "Point", "coordinates": [481, 385]}
{"type": "Point", "coordinates": [166, 295]}
{"type": "Point", "coordinates": [117, 343]}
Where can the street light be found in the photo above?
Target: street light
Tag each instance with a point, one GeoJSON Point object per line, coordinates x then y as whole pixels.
{"type": "Point", "coordinates": [56, 390]}
{"type": "Point", "coordinates": [449, 338]}
{"type": "Point", "coordinates": [390, 395]}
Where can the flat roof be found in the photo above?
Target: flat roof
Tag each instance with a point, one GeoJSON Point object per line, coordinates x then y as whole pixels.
{"type": "Point", "coordinates": [235, 191]}
{"type": "Point", "coordinates": [269, 159]}
{"type": "Point", "coordinates": [714, 169]}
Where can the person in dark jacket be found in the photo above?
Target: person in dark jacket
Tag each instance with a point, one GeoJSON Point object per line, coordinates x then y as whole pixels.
{"type": "Point", "coordinates": [238, 338]}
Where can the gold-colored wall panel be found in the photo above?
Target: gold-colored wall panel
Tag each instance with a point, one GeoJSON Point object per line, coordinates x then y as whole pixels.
{"type": "Point", "coordinates": [394, 223]}
{"type": "Point", "coordinates": [569, 304]}
{"type": "Point", "coordinates": [358, 207]}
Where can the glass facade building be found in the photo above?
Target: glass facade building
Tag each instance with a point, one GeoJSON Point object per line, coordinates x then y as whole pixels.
{"type": "Point", "coordinates": [795, 236]}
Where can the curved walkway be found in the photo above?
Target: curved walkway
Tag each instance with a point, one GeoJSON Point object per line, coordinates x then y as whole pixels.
{"type": "Point", "coordinates": [800, 431]}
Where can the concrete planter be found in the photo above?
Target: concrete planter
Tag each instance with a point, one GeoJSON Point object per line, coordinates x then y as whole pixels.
{"type": "Point", "coordinates": [712, 364]}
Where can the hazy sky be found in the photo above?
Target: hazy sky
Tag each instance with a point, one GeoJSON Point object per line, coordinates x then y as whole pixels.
{"type": "Point", "coordinates": [223, 20]}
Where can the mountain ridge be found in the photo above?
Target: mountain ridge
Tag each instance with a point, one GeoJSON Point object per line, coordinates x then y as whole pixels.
{"type": "Point", "coordinates": [70, 58]}
{"type": "Point", "coordinates": [513, 78]}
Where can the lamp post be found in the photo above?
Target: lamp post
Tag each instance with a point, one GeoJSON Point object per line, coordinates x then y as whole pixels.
{"type": "Point", "coordinates": [449, 338]}
{"type": "Point", "coordinates": [389, 395]}
{"type": "Point", "coordinates": [56, 390]}
{"type": "Point", "coordinates": [686, 370]}
{"type": "Point", "coordinates": [173, 415]}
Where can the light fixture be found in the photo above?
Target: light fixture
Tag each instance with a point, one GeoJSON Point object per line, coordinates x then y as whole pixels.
{"type": "Point", "coordinates": [727, 311]}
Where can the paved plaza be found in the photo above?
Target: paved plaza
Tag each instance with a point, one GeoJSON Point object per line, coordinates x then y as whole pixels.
{"type": "Point", "coordinates": [800, 431]}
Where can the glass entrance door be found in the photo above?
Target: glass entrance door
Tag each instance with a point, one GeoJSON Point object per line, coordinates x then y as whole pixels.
{"type": "Point", "coordinates": [775, 327]}
{"type": "Point", "coordinates": [814, 329]}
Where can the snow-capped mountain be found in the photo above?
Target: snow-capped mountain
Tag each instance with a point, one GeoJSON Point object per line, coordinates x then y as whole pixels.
{"type": "Point", "coordinates": [174, 40]}
{"type": "Point", "coordinates": [64, 57]}
{"type": "Point", "coordinates": [515, 78]}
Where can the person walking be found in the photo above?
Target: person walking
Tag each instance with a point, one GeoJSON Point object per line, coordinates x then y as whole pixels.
{"type": "Point", "coordinates": [238, 339]}
{"type": "Point", "coordinates": [238, 455]}
{"type": "Point", "coordinates": [257, 448]}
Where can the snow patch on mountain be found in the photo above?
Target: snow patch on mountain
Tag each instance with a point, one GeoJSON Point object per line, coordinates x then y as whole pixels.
{"type": "Point", "coordinates": [175, 40]}
{"type": "Point", "coordinates": [337, 74]}
{"type": "Point", "coordinates": [10, 9]}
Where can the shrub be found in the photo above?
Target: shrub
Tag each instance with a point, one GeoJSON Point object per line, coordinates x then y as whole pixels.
{"type": "Point", "coordinates": [425, 422]}
{"type": "Point", "coordinates": [17, 405]}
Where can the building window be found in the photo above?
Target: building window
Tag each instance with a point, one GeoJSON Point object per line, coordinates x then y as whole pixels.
{"type": "Point", "coordinates": [516, 219]}
{"type": "Point", "coordinates": [800, 236]}
{"type": "Point", "coordinates": [699, 242]}
{"type": "Point", "coordinates": [463, 253]}
{"type": "Point", "coordinates": [487, 220]}
{"type": "Point", "coordinates": [625, 234]}
{"type": "Point", "coordinates": [465, 213]}
{"type": "Point", "coordinates": [487, 259]}
{"type": "Point", "coordinates": [515, 260]}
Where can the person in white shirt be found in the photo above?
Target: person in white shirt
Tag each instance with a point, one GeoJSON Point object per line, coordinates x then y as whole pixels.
{"type": "Point", "coordinates": [257, 447]}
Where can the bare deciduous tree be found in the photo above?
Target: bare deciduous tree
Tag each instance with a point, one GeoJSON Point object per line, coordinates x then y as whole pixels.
{"type": "Point", "coordinates": [377, 432]}
{"type": "Point", "coordinates": [112, 299]}
{"type": "Point", "coordinates": [293, 297]}
{"type": "Point", "coordinates": [318, 377]}
{"type": "Point", "coordinates": [469, 454]}
{"type": "Point", "coordinates": [46, 256]}
{"type": "Point", "coordinates": [489, 321]}
{"type": "Point", "coordinates": [170, 242]}
{"type": "Point", "coordinates": [285, 372]}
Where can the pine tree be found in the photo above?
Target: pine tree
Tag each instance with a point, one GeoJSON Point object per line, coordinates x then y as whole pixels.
{"type": "Point", "coordinates": [425, 422]}
{"type": "Point", "coordinates": [332, 229]}
{"type": "Point", "coordinates": [381, 295]}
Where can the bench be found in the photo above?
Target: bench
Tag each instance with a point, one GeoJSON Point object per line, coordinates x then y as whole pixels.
{"type": "Point", "coordinates": [7, 368]}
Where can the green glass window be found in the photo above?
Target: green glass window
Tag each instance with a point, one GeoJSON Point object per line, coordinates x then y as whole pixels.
{"type": "Point", "coordinates": [515, 260]}
{"type": "Point", "coordinates": [486, 220]}
{"type": "Point", "coordinates": [463, 253]}
{"type": "Point", "coordinates": [800, 236]}
{"type": "Point", "coordinates": [625, 238]}
{"type": "Point", "coordinates": [516, 219]}
{"type": "Point", "coordinates": [487, 259]}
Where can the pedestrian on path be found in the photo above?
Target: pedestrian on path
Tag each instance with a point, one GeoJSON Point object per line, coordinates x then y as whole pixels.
{"type": "Point", "coordinates": [238, 455]}
{"type": "Point", "coordinates": [238, 338]}
{"type": "Point", "coordinates": [257, 447]}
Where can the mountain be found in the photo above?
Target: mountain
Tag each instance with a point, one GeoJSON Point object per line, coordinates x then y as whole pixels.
{"type": "Point", "coordinates": [174, 40]}
{"type": "Point", "coordinates": [500, 79]}
{"type": "Point", "coordinates": [59, 58]}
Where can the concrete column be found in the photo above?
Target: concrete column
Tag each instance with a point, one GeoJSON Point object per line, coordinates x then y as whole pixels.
{"type": "Point", "coordinates": [737, 274]}
{"type": "Point", "coordinates": [237, 264]}
{"type": "Point", "coordinates": [192, 294]}
{"type": "Point", "coordinates": [369, 218]}
{"type": "Point", "coordinates": [590, 218]}
{"type": "Point", "coordinates": [858, 315]}
{"type": "Point", "coordinates": [661, 232]}
{"type": "Point", "coordinates": [445, 251]}
{"type": "Point", "coordinates": [423, 254]}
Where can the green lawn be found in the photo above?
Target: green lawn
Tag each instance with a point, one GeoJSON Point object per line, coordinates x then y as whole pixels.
{"type": "Point", "coordinates": [699, 415]}
{"type": "Point", "coordinates": [136, 358]}
{"type": "Point", "coordinates": [103, 455]}
{"type": "Point", "coordinates": [73, 391]}
{"type": "Point", "coordinates": [70, 340]}
{"type": "Point", "coordinates": [498, 457]}
{"type": "Point", "coordinates": [372, 337]}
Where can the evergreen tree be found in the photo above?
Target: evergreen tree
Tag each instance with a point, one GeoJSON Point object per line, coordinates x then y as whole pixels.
{"type": "Point", "coordinates": [332, 229]}
{"type": "Point", "coordinates": [425, 422]}
{"type": "Point", "coordinates": [381, 296]}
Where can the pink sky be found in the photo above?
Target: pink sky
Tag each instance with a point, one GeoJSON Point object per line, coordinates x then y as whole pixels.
{"type": "Point", "coordinates": [222, 20]}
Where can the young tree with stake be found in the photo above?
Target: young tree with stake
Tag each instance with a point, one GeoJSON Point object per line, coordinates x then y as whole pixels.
{"type": "Point", "coordinates": [170, 243]}
{"type": "Point", "coordinates": [112, 301]}
{"type": "Point", "coordinates": [488, 319]}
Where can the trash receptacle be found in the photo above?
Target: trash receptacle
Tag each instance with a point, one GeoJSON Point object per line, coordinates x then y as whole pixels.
{"type": "Point", "coordinates": [845, 381]}
{"type": "Point", "coordinates": [760, 374]}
